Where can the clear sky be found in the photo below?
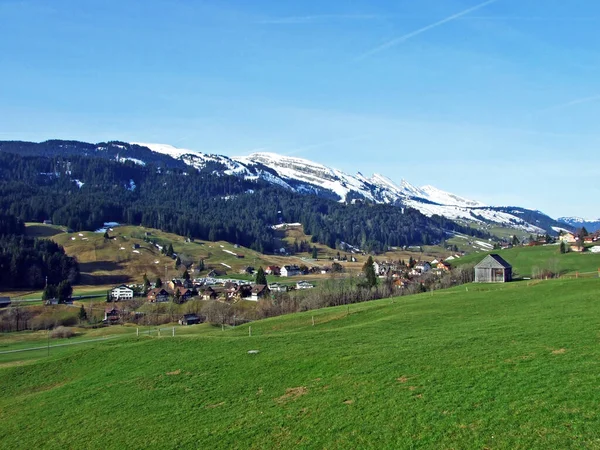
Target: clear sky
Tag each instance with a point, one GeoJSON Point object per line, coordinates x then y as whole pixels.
{"type": "Point", "coordinates": [497, 101]}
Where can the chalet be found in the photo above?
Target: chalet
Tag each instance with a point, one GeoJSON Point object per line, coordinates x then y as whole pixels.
{"type": "Point", "coordinates": [247, 270]}
{"type": "Point", "coordinates": [243, 291]}
{"type": "Point", "coordinates": [304, 285]}
{"type": "Point", "coordinates": [290, 271]}
{"type": "Point", "coordinates": [577, 248]}
{"type": "Point", "coordinates": [273, 270]}
{"type": "Point", "coordinates": [588, 239]}
{"type": "Point", "coordinates": [258, 291]}
{"type": "Point", "coordinates": [422, 267]}
{"type": "Point", "coordinates": [493, 269]}
{"type": "Point", "coordinates": [4, 302]}
{"type": "Point", "coordinates": [276, 287]}
{"type": "Point", "coordinates": [190, 319]}
{"type": "Point", "coordinates": [158, 295]}
{"type": "Point", "coordinates": [112, 315]}
{"type": "Point", "coordinates": [207, 293]}
{"type": "Point", "coordinates": [567, 237]}
{"type": "Point", "coordinates": [173, 284]}
{"type": "Point", "coordinates": [380, 268]}
{"type": "Point", "coordinates": [443, 266]}
{"type": "Point", "coordinates": [184, 294]}
{"type": "Point", "coordinates": [121, 293]}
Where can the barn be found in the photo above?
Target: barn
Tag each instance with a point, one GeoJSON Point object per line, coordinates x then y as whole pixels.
{"type": "Point", "coordinates": [493, 269]}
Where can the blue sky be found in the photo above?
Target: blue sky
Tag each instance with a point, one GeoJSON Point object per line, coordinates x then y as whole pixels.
{"type": "Point", "coordinates": [496, 100]}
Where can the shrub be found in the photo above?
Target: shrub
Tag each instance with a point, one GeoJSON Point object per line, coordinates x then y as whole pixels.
{"type": "Point", "coordinates": [62, 332]}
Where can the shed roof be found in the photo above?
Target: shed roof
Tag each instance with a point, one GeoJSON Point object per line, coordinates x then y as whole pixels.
{"type": "Point", "coordinates": [493, 261]}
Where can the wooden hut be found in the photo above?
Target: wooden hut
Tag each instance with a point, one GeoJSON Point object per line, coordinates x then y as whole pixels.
{"type": "Point", "coordinates": [493, 269]}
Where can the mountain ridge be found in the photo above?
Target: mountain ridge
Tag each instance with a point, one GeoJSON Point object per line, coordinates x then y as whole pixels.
{"type": "Point", "coordinates": [303, 176]}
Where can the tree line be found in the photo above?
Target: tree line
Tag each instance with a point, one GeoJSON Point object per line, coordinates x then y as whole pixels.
{"type": "Point", "coordinates": [84, 192]}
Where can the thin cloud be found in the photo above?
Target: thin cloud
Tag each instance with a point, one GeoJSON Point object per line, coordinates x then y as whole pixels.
{"type": "Point", "coordinates": [415, 33]}
{"type": "Point", "coordinates": [299, 20]}
{"type": "Point", "coordinates": [577, 101]}
{"type": "Point", "coordinates": [534, 18]}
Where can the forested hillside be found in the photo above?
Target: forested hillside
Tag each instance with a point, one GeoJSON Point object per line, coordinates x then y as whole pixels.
{"type": "Point", "coordinates": [83, 192]}
{"type": "Point", "coordinates": [26, 262]}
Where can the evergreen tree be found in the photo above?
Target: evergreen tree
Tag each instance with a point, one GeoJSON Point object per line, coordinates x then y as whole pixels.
{"type": "Point", "coordinates": [146, 283]}
{"type": "Point", "coordinates": [369, 272]}
{"type": "Point", "coordinates": [82, 314]}
{"type": "Point", "coordinates": [158, 283]}
{"type": "Point", "coordinates": [170, 250]}
{"type": "Point", "coordinates": [177, 263]}
{"type": "Point", "coordinates": [315, 253]}
{"type": "Point", "coordinates": [563, 247]}
{"type": "Point", "coordinates": [186, 275]}
{"type": "Point", "coordinates": [177, 297]}
{"type": "Point", "coordinates": [65, 290]}
{"type": "Point", "coordinates": [201, 265]}
{"type": "Point", "coordinates": [515, 240]}
{"type": "Point", "coordinates": [261, 277]}
{"type": "Point", "coordinates": [106, 235]}
{"type": "Point", "coordinates": [50, 292]}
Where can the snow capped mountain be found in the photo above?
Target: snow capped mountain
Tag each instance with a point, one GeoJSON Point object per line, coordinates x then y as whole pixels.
{"type": "Point", "coordinates": [304, 176]}
{"type": "Point", "coordinates": [446, 198]}
{"type": "Point", "coordinates": [592, 225]}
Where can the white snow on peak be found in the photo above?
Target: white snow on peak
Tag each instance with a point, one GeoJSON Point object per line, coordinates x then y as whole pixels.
{"type": "Point", "coordinates": [446, 198]}
{"type": "Point", "coordinates": [573, 220]}
{"type": "Point", "coordinates": [303, 175]}
{"type": "Point", "coordinates": [165, 149]}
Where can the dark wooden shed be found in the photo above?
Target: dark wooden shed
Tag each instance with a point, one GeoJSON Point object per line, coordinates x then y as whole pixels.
{"type": "Point", "coordinates": [493, 269]}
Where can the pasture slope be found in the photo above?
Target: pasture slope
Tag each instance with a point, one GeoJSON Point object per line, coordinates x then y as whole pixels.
{"type": "Point", "coordinates": [524, 259]}
{"type": "Point", "coordinates": [512, 366]}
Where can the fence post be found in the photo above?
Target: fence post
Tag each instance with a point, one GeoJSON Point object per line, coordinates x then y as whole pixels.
{"type": "Point", "coordinates": [250, 331]}
{"type": "Point", "coordinates": [137, 332]}
{"type": "Point", "coordinates": [313, 320]}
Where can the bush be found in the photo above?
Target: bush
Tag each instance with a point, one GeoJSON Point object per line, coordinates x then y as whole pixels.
{"type": "Point", "coordinates": [61, 333]}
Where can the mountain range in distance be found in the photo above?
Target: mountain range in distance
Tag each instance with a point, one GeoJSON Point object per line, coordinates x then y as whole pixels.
{"type": "Point", "coordinates": [308, 177]}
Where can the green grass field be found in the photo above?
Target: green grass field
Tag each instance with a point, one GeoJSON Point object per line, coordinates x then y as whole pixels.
{"type": "Point", "coordinates": [523, 259]}
{"type": "Point", "coordinates": [478, 366]}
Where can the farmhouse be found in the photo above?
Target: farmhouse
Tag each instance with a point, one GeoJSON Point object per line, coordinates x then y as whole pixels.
{"type": "Point", "coordinates": [493, 269]}
{"type": "Point", "coordinates": [190, 319]}
{"type": "Point", "coordinates": [121, 293]}
{"type": "Point", "coordinates": [567, 237]}
{"type": "Point", "coordinates": [277, 287]}
{"type": "Point", "coordinates": [112, 315]}
{"type": "Point", "coordinates": [184, 294]}
{"type": "Point", "coordinates": [304, 285]}
{"type": "Point", "coordinates": [259, 291]}
{"type": "Point", "coordinates": [158, 295]}
{"type": "Point", "coordinates": [290, 271]}
{"type": "Point", "coordinates": [273, 270]}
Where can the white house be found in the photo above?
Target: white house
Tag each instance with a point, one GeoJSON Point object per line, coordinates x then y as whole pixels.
{"type": "Point", "coordinates": [276, 287]}
{"type": "Point", "coordinates": [304, 285]}
{"type": "Point", "coordinates": [290, 271]}
{"type": "Point", "coordinates": [423, 267]}
{"type": "Point", "coordinates": [121, 293]}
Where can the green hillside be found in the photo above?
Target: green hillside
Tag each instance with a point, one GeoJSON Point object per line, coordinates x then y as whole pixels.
{"type": "Point", "coordinates": [524, 259]}
{"type": "Point", "coordinates": [511, 366]}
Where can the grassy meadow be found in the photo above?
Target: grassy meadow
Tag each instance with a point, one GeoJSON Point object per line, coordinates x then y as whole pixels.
{"type": "Point", "coordinates": [477, 366]}
{"type": "Point", "coordinates": [524, 259]}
